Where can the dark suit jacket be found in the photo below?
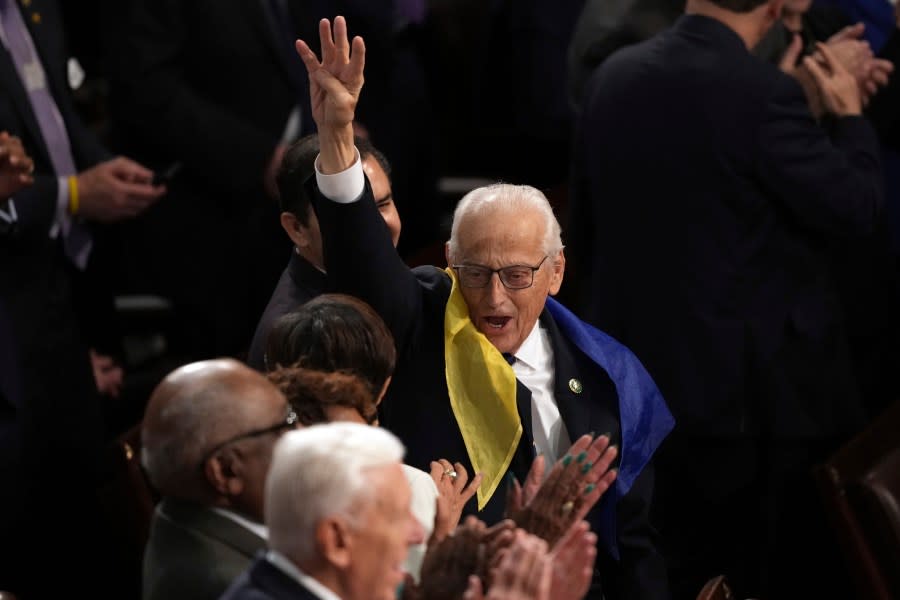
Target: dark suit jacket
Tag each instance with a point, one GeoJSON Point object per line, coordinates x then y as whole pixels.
{"type": "Point", "coordinates": [37, 278]}
{"type": "Point", "coordinates": [265, 581]}
{"type": "Point", "coordinates": [417, 406]}
{"type": "Point", "coordinates": [699, 225]}
{"type": "Point", "coordinates": [299, 283]}
{"type": "Point", "coordinates": [194, 552]}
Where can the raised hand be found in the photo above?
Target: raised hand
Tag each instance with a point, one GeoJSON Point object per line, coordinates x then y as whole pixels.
{"type": "Point", "coordinates": [453, 493]}
{"type": "Point", "coordinates": [573, 487]}
{"type": "Point", "coordinates": [336, 81]}
{"type": "Point", "coordinates": [573, 563]}
{"type": "Point", "coordinates": [449, 563]}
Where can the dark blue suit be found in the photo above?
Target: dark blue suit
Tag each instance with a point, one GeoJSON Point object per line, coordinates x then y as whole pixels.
{"type": "Point", "coordinates": [299, 283]}
{"type": "Point", "coordinates": [361, 261]}
{"type": "Point", "coordinates": [703, 193]}
{"type": "Point", "coordinates": [57, 414]}
{"type": "Point", "coordinates": [264, 581]}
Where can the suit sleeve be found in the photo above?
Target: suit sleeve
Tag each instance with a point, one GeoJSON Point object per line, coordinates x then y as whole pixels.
{"type": "Point", "coordinates": [164, 110]}
{"type": "Point", "coordinates": [642, 571]}
{"type": "Point", "coordinates": [828, 185]}
{"type": "Point", "coordinates": [361, 260]}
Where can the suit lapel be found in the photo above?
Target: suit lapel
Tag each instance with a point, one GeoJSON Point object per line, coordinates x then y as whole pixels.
{"type": "Point", "coordinates": [576, 389]}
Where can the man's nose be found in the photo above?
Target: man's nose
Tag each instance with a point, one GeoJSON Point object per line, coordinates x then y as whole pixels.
{"type": "Point", "coordinates": [496, 292]}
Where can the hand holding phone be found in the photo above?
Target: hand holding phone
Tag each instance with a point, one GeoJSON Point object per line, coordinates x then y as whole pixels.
{"type": "Point", "coordinates": [165, 177]}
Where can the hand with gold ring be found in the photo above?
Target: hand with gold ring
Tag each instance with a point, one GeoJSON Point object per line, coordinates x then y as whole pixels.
{"type": "Point", "coordinates": [549, 507]}
{"type": "Point", "coordinates": [454, 490]}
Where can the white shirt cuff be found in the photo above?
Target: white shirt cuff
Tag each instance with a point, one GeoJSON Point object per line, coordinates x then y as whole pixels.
{"type": "Point", "coordinates": [344, 187]}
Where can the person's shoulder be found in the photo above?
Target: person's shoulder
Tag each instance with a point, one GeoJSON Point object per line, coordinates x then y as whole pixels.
{"type": "Point", "coordinates": [432, 278]}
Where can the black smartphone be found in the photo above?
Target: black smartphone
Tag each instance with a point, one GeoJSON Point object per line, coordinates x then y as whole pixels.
{"type": "Point", "coordinates": [165, 177]}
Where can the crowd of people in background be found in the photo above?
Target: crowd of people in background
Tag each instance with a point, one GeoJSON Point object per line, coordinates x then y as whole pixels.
{"type": "Point", "coordinates": [331, 405]}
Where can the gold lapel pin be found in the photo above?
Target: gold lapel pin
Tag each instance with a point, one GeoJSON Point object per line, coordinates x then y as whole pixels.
{"type": "Point", "coordinates": [575, 386]}
{"type": "Point", "coordinates": [26, 3]}
{"type": "Point", "coordinates": [36, 18]}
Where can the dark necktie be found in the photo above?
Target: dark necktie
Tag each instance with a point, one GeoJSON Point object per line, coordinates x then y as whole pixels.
{"type": "Point", "coordinates": [76, 239]}
{"type": "Point", "coordinates": [510, 358]}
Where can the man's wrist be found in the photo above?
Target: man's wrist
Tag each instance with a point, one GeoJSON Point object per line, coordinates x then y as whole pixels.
{"type": "Point", "coordinates": [337, 151]}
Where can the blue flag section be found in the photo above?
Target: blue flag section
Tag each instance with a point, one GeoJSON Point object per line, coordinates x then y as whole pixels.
{"type": "Point", "coordinates": [644, 417]}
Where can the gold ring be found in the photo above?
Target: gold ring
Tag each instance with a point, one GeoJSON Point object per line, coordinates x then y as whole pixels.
{"type": "Point", "coordinates": [450, 473]}
{"type": "Point", "coordinates": [567, 507]}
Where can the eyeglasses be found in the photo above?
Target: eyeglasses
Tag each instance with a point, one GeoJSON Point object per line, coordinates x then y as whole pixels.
{"type": "Point", "coordinates": [290, 422]}
{"type": "Point", "coordinates": [513, 277]}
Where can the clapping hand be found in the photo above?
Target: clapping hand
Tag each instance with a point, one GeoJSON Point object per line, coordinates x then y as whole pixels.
{"type": "Point", "coordinates": [575, 484]}
{"type": "Point", "coordinates": [453, 494]}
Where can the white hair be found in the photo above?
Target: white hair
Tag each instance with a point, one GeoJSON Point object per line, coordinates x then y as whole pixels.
{"type": "Point", "coordinates": [510, 199]}
{"type": "Point", "coordinates": [317, 472]}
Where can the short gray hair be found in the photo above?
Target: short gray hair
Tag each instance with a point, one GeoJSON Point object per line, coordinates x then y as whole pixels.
{"type": "Point", "coordinates": [317, 472]}
{"type": "Point", "coordinates": [508, 198]}
{"type": "Point", "coordinates": [187, 427]}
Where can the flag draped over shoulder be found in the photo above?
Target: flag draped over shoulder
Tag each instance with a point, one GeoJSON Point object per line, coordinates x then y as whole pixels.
{"type": "Point", "coordinates": [482, 389]}
{"type": "Point", "coordinates": [644, 418]}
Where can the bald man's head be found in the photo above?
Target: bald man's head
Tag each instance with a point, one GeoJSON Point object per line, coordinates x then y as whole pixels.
{"type": "Point", "coordinates": [196, 409]}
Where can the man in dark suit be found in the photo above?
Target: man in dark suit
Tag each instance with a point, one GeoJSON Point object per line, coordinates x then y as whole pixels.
{"type": "Point", "coordinates": [207, 438]}
{"type": "Point", "coordinates": [698, 226]}
{"type": "Point", "coordinates": [304, 277]}
{"type": "Point", "coordinates": [338, 511]}
{"type": "Point", "coordinates": [213, 88]}
{"type": "Point", "coordinates": [559, 391]}
{"type": "Point", "coordinates": [47, 244]}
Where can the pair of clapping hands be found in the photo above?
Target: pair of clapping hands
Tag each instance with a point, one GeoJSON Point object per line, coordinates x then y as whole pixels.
{"type": "Point", "coordinates": [543, 549]}
{"type": "Point", "coordinates": [844, 70]}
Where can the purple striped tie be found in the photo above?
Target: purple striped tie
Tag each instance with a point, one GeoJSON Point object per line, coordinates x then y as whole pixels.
{"type": "Point", "coordinates": [76, 239]}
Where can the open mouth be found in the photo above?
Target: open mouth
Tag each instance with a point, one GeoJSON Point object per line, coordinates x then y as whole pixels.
{"type": "Point", "coordinates": [497, 322]}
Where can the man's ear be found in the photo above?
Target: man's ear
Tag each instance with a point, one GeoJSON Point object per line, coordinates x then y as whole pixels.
{"type": "Point", "coordinates": [224, 472]}
{"type": "Point", "coordinates": [559, 269]}
{"type": "Point", "coordinates": [773, 12]}
{"type": "Point", "coordinates": [294, 229]}
{"type": "Point", "coordinates": [335, 541]}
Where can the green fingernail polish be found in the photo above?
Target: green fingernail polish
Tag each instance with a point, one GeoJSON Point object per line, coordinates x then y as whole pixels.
{"type": "Point", "coordinates": [581, 457]}
{"type": "Point", "coordinates": [592, 434]}
{"type": "Point", "coordinates": [587, 467]}
{"type": "Point", "coordinates": [567, 459]}
{"type": "Point", "coordinates": [589, 488]}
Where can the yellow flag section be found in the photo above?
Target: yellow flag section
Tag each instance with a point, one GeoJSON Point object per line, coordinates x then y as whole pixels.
{"type": "Point", "coordinates": [482, 389]}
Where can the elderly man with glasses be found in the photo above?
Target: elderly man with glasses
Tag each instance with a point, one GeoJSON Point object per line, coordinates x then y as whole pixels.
{"type": "Point", "coordinates": [491, 371]}
{"type": "Point", "coordinates": [208, 434]}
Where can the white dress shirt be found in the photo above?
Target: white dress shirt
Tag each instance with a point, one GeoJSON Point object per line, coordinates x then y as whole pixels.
{"type": "Point", "coordinates": [535, 369]}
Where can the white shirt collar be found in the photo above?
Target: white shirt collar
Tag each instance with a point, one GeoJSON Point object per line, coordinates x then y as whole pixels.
{"type": "Point", "coordinates": [284, 564]}
{"type": "Point", "coordinates": [533, 351]}
{"type": "Point", "coordinates": [257, 528]}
